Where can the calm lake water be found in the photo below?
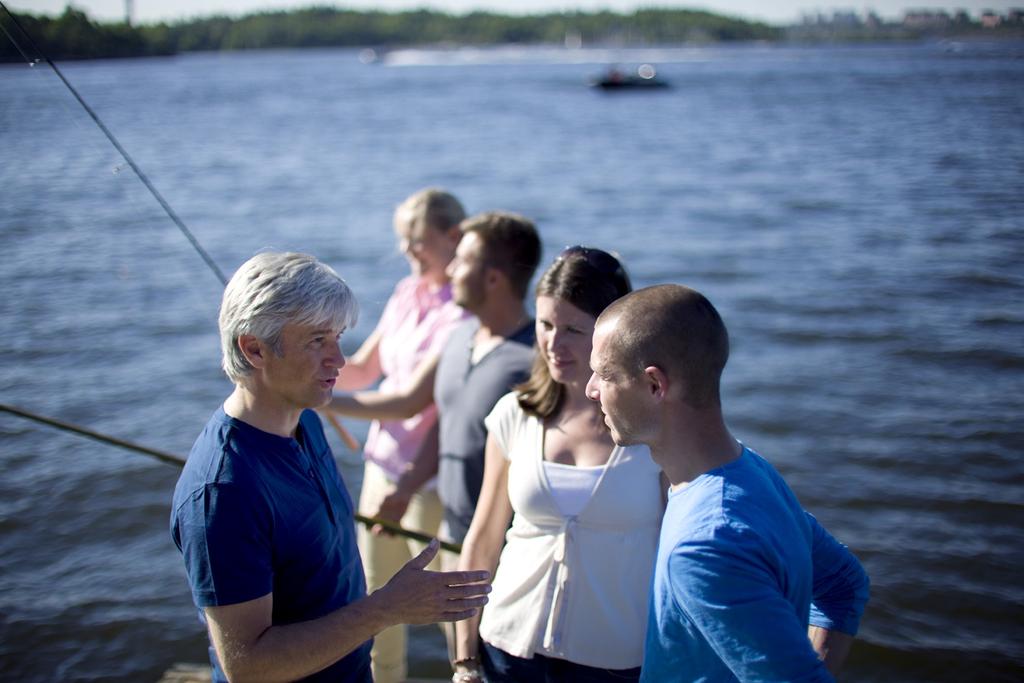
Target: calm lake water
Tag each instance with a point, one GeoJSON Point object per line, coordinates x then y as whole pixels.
{"type": "Point", "coordinates": [856, 214]}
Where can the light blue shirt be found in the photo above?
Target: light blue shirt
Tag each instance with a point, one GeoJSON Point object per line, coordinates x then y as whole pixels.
{"type": "Point", "coordinates": [739, 563]}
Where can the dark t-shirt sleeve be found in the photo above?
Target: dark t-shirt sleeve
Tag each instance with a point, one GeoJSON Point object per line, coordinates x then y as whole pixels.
{"type": "Point", "coordinates": [224, 531]}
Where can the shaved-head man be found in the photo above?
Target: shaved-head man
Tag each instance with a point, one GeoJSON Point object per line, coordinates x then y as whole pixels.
{"type": "Point", "coordinates": [747, 586]}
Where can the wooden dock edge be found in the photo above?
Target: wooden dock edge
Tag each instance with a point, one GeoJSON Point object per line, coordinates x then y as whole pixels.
{"type": "Point", "coordinates": [200, 673]}
{"type": "Point", "coordinates": [187, 673]}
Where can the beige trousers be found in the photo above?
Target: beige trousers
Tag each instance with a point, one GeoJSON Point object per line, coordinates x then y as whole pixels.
{"type": "Point", "coordinates": [383, 556]}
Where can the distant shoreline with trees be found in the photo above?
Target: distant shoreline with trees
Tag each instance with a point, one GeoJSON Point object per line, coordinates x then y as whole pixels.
{"type": "Point", "coordinates": [73, 35]}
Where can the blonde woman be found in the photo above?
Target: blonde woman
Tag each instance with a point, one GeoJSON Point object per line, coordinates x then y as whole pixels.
{"type": "Point", "coordinates": [413, 328]}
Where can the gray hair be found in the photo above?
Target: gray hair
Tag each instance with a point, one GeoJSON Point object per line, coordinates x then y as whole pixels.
{"type": "Point", "coordinates": [273, 289]}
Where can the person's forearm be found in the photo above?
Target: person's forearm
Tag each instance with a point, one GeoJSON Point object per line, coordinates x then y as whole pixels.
{"type": "Point", "coordinates": [251, 648]}
{"type": "Point", "coordinates": [467, 632]}
{"type": "Point", "coordinates": [424, 465]}
{"type": "Point", "coordinates": [413, 398]}
{"type": "Point", "coordinates": [841, 586]}
{"type": "Point", "coordinates": [478, 552]}
{"type": "Point", "coordinates": [374, 405]}
{"type": "Point", "coordinates": [832, 647]}
{"type": "Point", "coordinates": [393, 506]}
{"type": "Point", "coordinates": [354, 378]}
{"type": "Point", "coordinates": [363, 368]}
{"type": "Point", "coordinates": [467, 639]}
{"type": "Point", "coordinates": [294, 651]}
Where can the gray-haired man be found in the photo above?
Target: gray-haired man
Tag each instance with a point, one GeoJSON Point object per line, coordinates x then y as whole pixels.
{"type": "Point", "coordinates": [260, 513]}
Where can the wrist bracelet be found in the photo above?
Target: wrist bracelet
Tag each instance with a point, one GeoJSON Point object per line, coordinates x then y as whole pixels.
{"type": "Point", "coordinates": [472, 659]}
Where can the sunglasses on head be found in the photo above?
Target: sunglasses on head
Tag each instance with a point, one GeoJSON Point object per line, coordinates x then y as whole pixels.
{"type": "Point", "coordinates": [600, 260]}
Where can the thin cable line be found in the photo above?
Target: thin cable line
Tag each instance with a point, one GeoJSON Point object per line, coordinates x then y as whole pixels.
{"type": "Point", "coordinates": [172, 459]}
{"type": "Point", "coordinates": [346, 437]}
{"type": "Point", "coordinates": [117, 145]}
{"type": "Point", "coordinates": [162, 456]}
{"type": "Point", "coordinates": [16, 44]}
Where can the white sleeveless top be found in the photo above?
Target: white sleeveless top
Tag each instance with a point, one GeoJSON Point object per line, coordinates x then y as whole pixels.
{"type": "Point", "coordinates": [572, 486]}
{"type": "Point", "coordinates": [573, 586]}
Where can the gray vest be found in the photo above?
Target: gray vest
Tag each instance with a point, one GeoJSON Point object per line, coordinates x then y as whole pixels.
{"type": "Point", "coordinates": [465, 395]}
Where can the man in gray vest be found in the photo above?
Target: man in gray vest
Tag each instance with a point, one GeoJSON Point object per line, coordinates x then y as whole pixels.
{"type": "Point", "coordinates": [483, 359]}
{"type": "Point", "coordinates": [485, 356]}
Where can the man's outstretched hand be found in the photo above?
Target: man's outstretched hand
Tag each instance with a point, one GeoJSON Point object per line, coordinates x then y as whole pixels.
{"type": "Point", "coordinates": [417, 596]}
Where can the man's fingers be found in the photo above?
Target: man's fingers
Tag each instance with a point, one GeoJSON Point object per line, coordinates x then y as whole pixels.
{"type": "Point", "coordinates": [424, 558]}
{"type": "Point", "coordinates": [460, 578]}
{"type": "Point", "coordinates": [463, 608]}
{"type": "Point", "coordinates": [457, 615]}
{"type": "Point", "coordinates": [468, 591]}
{"type": "Point", "coordinates": [463, 604]}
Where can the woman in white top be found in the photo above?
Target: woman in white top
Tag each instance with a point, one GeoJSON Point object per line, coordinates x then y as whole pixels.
{"type": "Point", "coordinates": [569, 599]}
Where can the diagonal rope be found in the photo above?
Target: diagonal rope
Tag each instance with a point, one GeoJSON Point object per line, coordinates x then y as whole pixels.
{"type": "Point", "coordinates": [117, 145]}
{"type": "Point", "coordinates": [345, 435]}
{"type": "Point", "coordinates": [162, 456]}
{"type": "Point", "coordinates": [172, 459]}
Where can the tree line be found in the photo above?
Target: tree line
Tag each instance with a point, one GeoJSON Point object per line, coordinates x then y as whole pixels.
{"type": "Point", "coordinates": [73, 35]}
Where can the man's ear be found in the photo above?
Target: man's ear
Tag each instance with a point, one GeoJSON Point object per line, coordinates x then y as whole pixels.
{"type": "Point", "coordinates": [493, 277]}
{"type": "Point", "coordinates": [252, 349]}
{"type": "Point", "coordinates": [656, 382]}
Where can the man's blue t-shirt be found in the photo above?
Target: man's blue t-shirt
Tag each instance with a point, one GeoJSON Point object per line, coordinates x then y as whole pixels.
{"type": "Point", "coordinates": [742, 570]}
{"type": "Point", "coordinates": [256, 513]}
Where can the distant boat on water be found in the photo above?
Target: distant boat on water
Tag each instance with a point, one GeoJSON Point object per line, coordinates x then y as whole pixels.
{"type": "Point", "coordinates": [645, 77]}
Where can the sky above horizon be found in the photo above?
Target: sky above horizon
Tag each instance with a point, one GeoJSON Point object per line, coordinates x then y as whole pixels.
{"type": "Point", "coordinates": [772, 11]}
